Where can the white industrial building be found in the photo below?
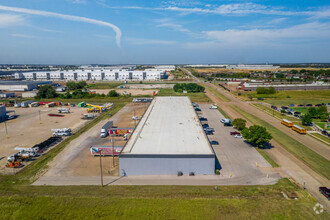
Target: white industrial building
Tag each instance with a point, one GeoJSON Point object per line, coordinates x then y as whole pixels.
{"type": "Point", "coordinates": [20, 86]}
{"type": "Point", "coordinates": [168, 139]}
{"type": "Point", "coordinates": [105, 74]}
{"type": "Point", "coordinates": [243, 66]}
{"type": "Point", "coordinates": [3, 113]}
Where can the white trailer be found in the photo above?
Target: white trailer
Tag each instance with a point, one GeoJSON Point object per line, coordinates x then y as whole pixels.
{"type": "Point", "coordinates": [105, 129]}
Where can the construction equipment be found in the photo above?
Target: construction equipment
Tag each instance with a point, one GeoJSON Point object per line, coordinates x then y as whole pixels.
{"type": "Point", "coordinates": [95, 108]}
{"type": "Point", "coordinates": [14, 164]}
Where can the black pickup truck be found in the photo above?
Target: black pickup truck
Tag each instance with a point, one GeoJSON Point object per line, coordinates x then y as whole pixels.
{"type": "Point", "coordinates": [325, 191]}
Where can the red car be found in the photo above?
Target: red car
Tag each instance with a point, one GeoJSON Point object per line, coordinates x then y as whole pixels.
{"type": "Point", "coordinates": [234, 133]}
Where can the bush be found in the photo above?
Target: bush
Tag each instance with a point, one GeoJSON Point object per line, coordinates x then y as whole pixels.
{"type": "Point", "coordinates": [239, 123]}
{"type": "Point", "coordinates": [74, 86]}
{"type": "Point", "coordinates": [46, 91]}
{"type": "Point", "coordinates": [113, 93]}
{"type": "Point", "coordinates": [263, 90]}
{"type": "Point", "coordinates": [189, 87]}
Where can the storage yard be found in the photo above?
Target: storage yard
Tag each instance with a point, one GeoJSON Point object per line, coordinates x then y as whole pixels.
{"type": "Point", "coordinates": [76, 159]}
{"type": "Point", "coordinates": [33, 126]}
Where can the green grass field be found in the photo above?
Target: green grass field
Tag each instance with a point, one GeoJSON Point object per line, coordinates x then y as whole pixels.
{"type": "Point", "coordinates": [309, 157]}
{"type": "Point", "coordinates": [292, 97]}
{"type": "Point", "coordinates": [303, 110]}
{"type": "Point", "coordinates": [322, 137]}
{"type": "Point", "coordinates": [103, 85]}
{"type": "Point", "coordinates": [156, 202]}
{"type": "Point", "coordinates": [321, 124]}
{"type": "Point", "coordinates": [217, 94]}
{"type": "Point", "coordinates": [195, 97]}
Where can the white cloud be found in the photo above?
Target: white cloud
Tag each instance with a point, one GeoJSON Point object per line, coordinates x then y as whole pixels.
{"type": "Point", "coordinates": [141, 41]}
{"type": "Point", "coordinates": [79, 1]}
{"type": "Point", "coordinates": [66, 17]}
{"type": "Point", "coordinates": [264, 37]}
{"type": "Point", "coordinates": [8, 20]}
{"type": "Point", "coordinates": [172, 25]}
{"type": "Point", "coordinates": [276, 20]}
{"type": "Point", "coordinates": [22, 35]}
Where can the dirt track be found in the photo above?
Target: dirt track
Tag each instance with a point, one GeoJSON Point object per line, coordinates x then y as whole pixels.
{"type": "Point", "coordinates": [290, 166]}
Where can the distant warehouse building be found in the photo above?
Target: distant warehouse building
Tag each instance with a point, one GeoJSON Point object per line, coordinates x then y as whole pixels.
{"type": "Point", "coordinates": [20, 86]}
{"type": "Point", "coordinates": [97, 75]}
{"type": "Point", "coordinates": [3, 113]}
{"type": "Point", "coordinates": [283, 87]}
{"type": "Point", "coordinates": [168, 139]}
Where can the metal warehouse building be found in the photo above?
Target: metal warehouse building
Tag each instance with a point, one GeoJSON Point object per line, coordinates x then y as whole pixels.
{"type": "Point", "coordinates": [169, 138]}
{"type": "Point", "coordinates": [20, 86]}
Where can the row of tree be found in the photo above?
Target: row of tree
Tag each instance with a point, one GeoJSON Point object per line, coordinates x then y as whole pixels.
{"type": "Point", "coordinates": [256, 135]}
{"type": "Point", "coordinates": [320, 112]}
{"type": "Point", "coordinates": [48, 92]}
{"type": "Point", "coordinates": [189, 87]}
{"type": "Point", "coordinates": [263, 90]}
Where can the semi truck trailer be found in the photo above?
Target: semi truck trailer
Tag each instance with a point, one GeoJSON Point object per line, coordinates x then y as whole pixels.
{"type": "Point", "coordinates": [105, 150]}
{"type": "Point", "coordinates": [105, 129]}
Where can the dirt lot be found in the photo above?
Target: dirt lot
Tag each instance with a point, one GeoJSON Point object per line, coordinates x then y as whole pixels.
{"type": "Point", "coordinates": [134, 92]}
{"type": "Point", "coordinates": [150, 86]}
{"type": "Point", "coordinates": [75, 159]}
{"type": "Point", "coordinates": [27, 130]}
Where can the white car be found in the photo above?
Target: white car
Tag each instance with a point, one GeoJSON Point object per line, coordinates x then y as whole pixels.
{"type": "Point", "coordinates": [213, 107]}
{"type": "Point", "coordinates": [238, 136]}
{"type": "Point", "coordinates": [135, 118]}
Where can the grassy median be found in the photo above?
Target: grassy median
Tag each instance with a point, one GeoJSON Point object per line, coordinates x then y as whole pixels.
{"type": "Point", "coordinates": [216, 93]}
{"type": "Point", "coordinates": [308, 156]}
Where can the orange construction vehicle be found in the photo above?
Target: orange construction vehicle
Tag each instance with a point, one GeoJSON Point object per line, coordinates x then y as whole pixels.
{"type": "Point", "coordinates": [14, 164]}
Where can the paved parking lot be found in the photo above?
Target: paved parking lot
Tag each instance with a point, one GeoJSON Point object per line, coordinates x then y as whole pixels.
{"type": "Point", "coordinates": [237, 158]}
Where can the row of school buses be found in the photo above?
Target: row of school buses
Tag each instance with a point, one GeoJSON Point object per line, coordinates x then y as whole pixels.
{"type": "Point", "coordinates": [296, 128]}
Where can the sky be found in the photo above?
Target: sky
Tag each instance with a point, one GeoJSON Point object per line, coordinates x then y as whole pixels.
{"type": "Point", "coordinates": [164, 32]}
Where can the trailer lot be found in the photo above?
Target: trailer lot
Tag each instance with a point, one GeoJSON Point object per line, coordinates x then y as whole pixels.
{"type": "Point", "coordinates": [27, 130]}
{"type": "Point", "coordinates": [76, 160]}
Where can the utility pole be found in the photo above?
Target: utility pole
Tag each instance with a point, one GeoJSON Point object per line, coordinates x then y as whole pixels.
{"type": "Point", "coordinates": [113, 151]}
{"type": "Point", "coordinates": [39, 117]}
{"type": "Point", "coordinates": [6, 129]}
{"type": "Point", "coordinates": [101, 168]}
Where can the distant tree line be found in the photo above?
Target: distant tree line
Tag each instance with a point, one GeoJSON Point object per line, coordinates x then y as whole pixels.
{"type": "Point", "coordinates": [189, 87]}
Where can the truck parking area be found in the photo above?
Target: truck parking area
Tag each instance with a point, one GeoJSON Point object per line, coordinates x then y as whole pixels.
{"type": "Point", "coordinates": [76, 158]}
{"type": "Point", "coordinates": [33, 126]}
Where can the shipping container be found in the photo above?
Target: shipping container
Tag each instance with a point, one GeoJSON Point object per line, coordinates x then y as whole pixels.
{"type": "Point", "coordinates": [105, 150]}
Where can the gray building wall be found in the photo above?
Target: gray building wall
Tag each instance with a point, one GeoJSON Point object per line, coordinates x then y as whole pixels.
{"type": "Point", "coordinates": [166, 164]}
{"type": "Point", "coordinates": [3, 114]}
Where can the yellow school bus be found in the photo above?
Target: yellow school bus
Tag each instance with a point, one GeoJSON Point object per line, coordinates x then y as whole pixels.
{"type": "Point", "coordinates": [287, 123]}
{"type": "Point", "coordinates": [299, 129]}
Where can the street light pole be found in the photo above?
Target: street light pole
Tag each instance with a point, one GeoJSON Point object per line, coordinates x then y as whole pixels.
{"type": "Point", "coordinates": [39, 117]}
{"type": "Point", "coordinates": [6, 129]}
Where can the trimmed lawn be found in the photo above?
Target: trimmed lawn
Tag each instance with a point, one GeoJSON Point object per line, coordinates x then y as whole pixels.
{"type": "Point", "coordinates": [217, 94]}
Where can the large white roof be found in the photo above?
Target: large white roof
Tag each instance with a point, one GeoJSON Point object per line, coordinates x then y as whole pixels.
{"type": "Point", "coordinates": [169, 126]}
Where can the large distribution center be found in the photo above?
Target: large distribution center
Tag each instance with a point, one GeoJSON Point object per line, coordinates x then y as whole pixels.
{"type": "Point", "coordinates": [20, 86]}
{"type": "Point", "coordinates": [168, 139]}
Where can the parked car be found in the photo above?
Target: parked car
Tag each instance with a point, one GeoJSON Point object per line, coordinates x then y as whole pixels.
{"type": "Point", "coordinates": [227, 124]}
{"type": "Point", "coordinates": [197, 109]}
{"type": "Point", "coordinates": [318, 105]}
{"type": "Point", "coordinates": [213, 107]}
{"type": "Point", "coordinates": [203, 119]}
{"type": "Point", "coordinates": [291, 105]}
{"type": "Point", "coordinates": [309, 105]}
{"type": "Point", "coordinates": [214, 142]}
{"type": "Point", "coordinates": [300, 105]}
{"type": "Point", "coordinates": [284, 107]}
{"type": "Point", "coordinates": [209, 129]}
{"type": "Point", "coordinates": [297, 113]}
{"type": "Point", "coordinates": [205, 125]}
{"type": "Point", "coordinates": [234, 133]}
{"type": "Point", "coordinates": [324, 132]}
{"type": "Point", "coordinates": [260, 98]}
{"type": "Point", "coordinates": [9, 117]}
{"type": "Point", "coordinates": [208, 132]}
{"type": "Point", "coordinates": [325, 191]}
{"type": "Point", "coordinates": [238, 136]}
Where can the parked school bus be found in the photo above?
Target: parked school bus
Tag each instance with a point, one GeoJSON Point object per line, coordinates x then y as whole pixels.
{"type": "Point", "coordinates": [287, 123]}
{"type": "Point", "coordinates": [299, 129]}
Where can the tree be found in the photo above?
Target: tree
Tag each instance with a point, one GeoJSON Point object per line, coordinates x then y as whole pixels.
{"type": "Point", "coordinates": [306, 119]}
{"type": "Point", "coordinates": [313, 112]}
{"type": "Point", "coordinates": [256, 135]}
{"type": "Point", "coordinates": [74, 86]}
{"type": "Point", "coordinates": [113, 93]}
{"type": "Point", "coordinates": [239, 123]}
{"type": "Point", "coordinates": [46, 91]}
